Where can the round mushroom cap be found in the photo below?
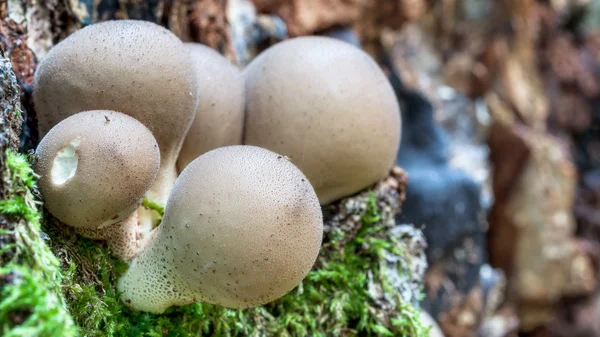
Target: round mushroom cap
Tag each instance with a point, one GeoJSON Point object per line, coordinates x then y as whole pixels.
{"type": "Point", "coordinates": [242, 227]}
{"type": "Point", "coordinates": [95, 167]}
{"type": "Point", "coordinates": [219, 118]}
{"type": "Point", "coordinates": [135, 67]}
{"type": "Point", "coordinates": [329, 107]}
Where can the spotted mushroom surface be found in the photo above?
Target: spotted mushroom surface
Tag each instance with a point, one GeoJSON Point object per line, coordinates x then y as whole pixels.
{"type": "Point", "coordinates": [134, 67]}
{"type": "Point", "coordinates": [95, 168]}
{"type": "Point", "coordinates": [242, 228]}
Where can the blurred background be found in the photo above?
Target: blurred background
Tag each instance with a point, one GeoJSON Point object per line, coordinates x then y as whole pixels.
{"type": "Point", "coordinates": [500, 102]}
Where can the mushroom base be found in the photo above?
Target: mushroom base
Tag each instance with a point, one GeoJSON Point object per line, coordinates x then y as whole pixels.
{"type": "Point", "coordinates": [125, 238]}
{"type": "Point", "coordinates": [150, 284]}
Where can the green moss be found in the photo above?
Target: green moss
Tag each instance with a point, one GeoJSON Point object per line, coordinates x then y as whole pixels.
{"type": "Point", "coordinates": [153, 206]}
{"type": "Point", "coordinates": [31, 301]}
{"type": "Point", "coordinates": [156, 208]}
{"type": "Point", "coordinates": [333, 300]}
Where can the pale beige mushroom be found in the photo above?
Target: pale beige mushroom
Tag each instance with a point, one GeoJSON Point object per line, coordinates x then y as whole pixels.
{"type": "Point", "coordinates": [95, 168]}
{"type": "Point", "coordinates": [329, 107]}
{"type": "Point", "coordinates": [219, 119]}
{"type": "Point", "coordinates": [243, 227]}
{"type": "Point", "coordinates": [134, 67]}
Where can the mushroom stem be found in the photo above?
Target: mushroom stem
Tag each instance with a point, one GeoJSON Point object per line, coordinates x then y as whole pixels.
{"type": "Point", "coordinates": [168, 288]}
{"type": "Point", "coordinates": [147, 219]}
{"type": "Point", "coordinates": [124, 237]}
{"type": "Point", "coordinates": [160, 190]}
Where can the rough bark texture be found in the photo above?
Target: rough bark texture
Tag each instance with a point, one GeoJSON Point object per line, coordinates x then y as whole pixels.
{"type": "Point", "coordinates": [10, 129]}
{"type": "Point", "coordinates": [532, 225]}
{"type": "Point", "coordinates": [17, 71]}
{"type": "Point", "coordinates": [305, 17]}
{"type": "Point", "coordinates": [529, 75]}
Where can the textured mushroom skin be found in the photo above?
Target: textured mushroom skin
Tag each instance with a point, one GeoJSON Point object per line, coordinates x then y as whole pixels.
{"type": "Point", "coordinates": [125, 238]}
{"type": "Point", "coordinates": [134, 67]}
{"type": "Point", "coordinates": [118, 160]}
{"type": "Point", "coordinates": [328, 106]}
{"type": "Point", "coordinates": [219, 119]}
{"type": "Point", "coordinates": [242, 227]}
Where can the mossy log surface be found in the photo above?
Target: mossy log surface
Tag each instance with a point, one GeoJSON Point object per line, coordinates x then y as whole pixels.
{"type": "Point", "coordinates": [366, 281]}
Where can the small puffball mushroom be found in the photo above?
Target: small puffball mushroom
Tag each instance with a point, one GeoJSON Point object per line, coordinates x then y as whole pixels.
{"type": "Point", "coordinates": [219, 119]}
{"type": "Point", "coordinates": [95, 168]}
{"type": "Point", "coordinates": [329, 107]}
{"type": "Point", "coordinates": [242, 227]}
{"type": "Point", "coordinates": [134, 67]}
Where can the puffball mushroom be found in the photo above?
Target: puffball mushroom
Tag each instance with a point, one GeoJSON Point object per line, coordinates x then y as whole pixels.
{"type": "Point", "coordinates": [242, 227]}
{"type": "Point", "coordinates": [329, 107]}
{"type": "Point", "coordinates": [134, 67]}
{"type": "Point", "coordinates": [95, 168]}
{"type": "Point", "coordinates": [219, 118]}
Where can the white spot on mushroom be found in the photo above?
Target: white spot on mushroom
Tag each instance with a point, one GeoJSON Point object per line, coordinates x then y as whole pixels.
{"type": "Point", "coordinates": [65, 162]}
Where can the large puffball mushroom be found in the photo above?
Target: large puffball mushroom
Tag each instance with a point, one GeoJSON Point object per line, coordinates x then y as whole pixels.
{"type": "Point", "coordinates": [219, 119]}
{"type": "Point", "coordinates": [329, 107]}
{"type": "Point", "coordinates": [95, 168]}
{"type": "Point", "coordinates": [242, 227]}
{"type": "Point", "coordinates": [134, 67]}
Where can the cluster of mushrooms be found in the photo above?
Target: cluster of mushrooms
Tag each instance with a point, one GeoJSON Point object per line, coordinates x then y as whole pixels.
{"type": "Point", "coordinates": [242, 161]}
